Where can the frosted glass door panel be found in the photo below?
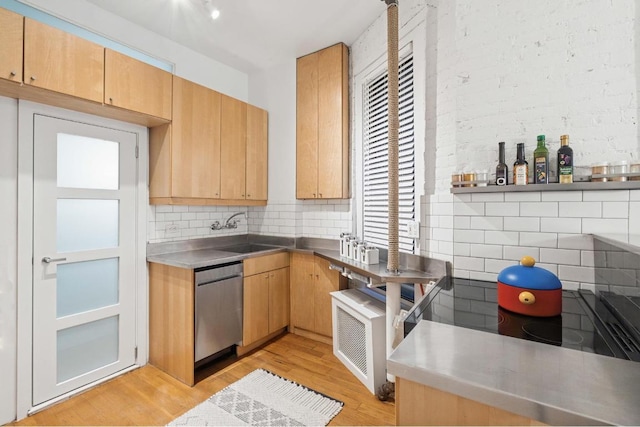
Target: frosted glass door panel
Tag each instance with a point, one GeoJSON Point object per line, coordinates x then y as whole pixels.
{"type": "Point", "coordinates": [86, 224]}
{"type": "Point", "coordinates": [84, 286]}
{"type": "Point", "coordinates": [83, 348]}
{"type": "Point", "coordinates": [87, 162]}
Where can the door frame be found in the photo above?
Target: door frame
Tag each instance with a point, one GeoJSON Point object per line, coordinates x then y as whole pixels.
{"type": "Point", "coordinates": [26, 110]}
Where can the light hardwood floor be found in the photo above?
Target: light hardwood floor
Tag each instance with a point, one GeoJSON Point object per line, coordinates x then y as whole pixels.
{"type": "Point", "coordinates": [148, 396]}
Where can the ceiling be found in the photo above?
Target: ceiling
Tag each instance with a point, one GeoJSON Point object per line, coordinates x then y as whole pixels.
{"type": "Point", "coordinates": [251, 35]}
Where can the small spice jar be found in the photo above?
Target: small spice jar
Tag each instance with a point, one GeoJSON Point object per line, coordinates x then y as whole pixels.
{"type": "Point", "coordinates": [482, 177]}
{"type": "Point", "coordinates": [600, 169]}
{"type": "Point", "coordinates": [456, 179]}
{"type": "Point", "coordinates": [620, 168]}
{"type": "Point", "coordinates": [635, 168]}
{"type": "Point", "coordinates": [469, 176]}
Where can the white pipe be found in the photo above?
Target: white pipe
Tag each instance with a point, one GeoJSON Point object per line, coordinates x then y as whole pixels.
{"type": "Point", "coordinates": [393, 309]}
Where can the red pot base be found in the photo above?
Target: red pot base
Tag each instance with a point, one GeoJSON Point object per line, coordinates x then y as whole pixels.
{"type": "Point", "coordinates": [547, 302]}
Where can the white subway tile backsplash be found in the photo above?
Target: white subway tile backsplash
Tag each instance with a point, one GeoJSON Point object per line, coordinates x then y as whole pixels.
{"type": "Point", "coordinates": [501, 238]}
{"type": "Point", "coordinates": [634, 195]}
{"type": "Point", "coordinates": [532, 196]}
{"type": "Point", "coordinates": [446, 221]}
{"type": "Point", "coordinates": [580, 209]}
{"type": "Point", "coordinates": [502, 209]}
{"type": "Point", "coordinates": [486, 223]}
{"type": "Point", "coordinates": [497, 265]}
{"type": "Point", "coordinates": [468, 209]}
{"type": "Point", "coordinates": [560, 256]}
{"type": "Point", "coordinates": [634, 223]}
{"type": "Point", "coordinates": [562, 196]}
{"type": "Point", "coordinates": [539, 209]}
{"type": "Point", "coordinates": [446, 248]}
{"type": "Point", "coordinates": [487, 197]}
{"type": "Point", "coordinates": [605, 226]}
{"type": "Point", "coordinates": [575, 241]}
{"type": "Point", "coordinates": [570, 286]}
{"type": "Point", "coordinates": [576, 274]}
{"type": "Point", "coordinates": [615, 209]}
{"type": "Point", "coordinates": [462, 222]}
{"type": "Point", "coordinates": [445, 234]}
{"type": "Point", "coordinates": [461, 198]}
{"type": "Point", "coordinates": [468, 263]}
{"type": "Point", "coordinates": [468, 236]}
{"type": "Point", "coordinates": [541, 240]}
{"type": "Point", "coordinates": [606, 196]}
{"type": "Point", "coordinates": [561, 225]}
{"type": "Point", "coordinates": [549, 267]}
{"type": "Point", "coordinates": [462, 249]}
{"type": "Point", "coordinates": [479, 275]}
{"type": "Point", "coordinates": [164, 208]}
{"type": "Point", "coordinates": [442, 209]}
{"type": "Point", "coordinates": [458, 272]}
{"type": "Point", "coordinates": [522, 224]}
{"type": "Point", "coordinates": [517, 252]}
{"type": "Point", "coordinates": [486, 251]}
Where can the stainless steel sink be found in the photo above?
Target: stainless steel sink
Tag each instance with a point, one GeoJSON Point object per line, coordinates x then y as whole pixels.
{"type": "Point", "coordinates": [249, 248]}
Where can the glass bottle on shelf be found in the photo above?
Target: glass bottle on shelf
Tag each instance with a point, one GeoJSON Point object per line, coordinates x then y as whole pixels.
{"type": "Point", "coordinates": [565, 161]}
{"type": "Point", "coordinates": [502, 171]}
{"type": "Point", "coordinates": [520, 167]}
{"type": "Point", "coordinates": [541, 162]}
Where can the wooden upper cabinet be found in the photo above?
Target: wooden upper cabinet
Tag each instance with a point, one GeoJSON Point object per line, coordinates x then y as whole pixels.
{"type": "Point", "coordinates": [11, 31]}
{"type": "Point", "coordinates": [233, 148]}
{"type": "Point", "coordinates": [322, 124]}
{"type": "Point", "coordinates": [257, 154]}
{"type": "Point", "coordinates": [307, 127]}
{"type": "Point", "coordinates": [136, 86]}
{"type": "Point", "coordinates": [195, 141]}
{"type": "Point", "coordinates": [61, 62]}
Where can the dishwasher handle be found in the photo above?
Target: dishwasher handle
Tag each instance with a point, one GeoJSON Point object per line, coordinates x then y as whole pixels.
{"type": "Point", "coordinates": [219, 279]}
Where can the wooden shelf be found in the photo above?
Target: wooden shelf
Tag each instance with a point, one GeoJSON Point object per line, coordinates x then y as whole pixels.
{"type": "Point", "coordinates": [576, 186]}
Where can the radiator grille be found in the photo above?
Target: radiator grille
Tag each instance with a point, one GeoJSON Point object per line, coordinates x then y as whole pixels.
{"type": "Point", "coordinates": [352, 340]}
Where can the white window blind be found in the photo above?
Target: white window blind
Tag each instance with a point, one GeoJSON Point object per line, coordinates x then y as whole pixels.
{"type": "Point", "coordinates": [376, 159]}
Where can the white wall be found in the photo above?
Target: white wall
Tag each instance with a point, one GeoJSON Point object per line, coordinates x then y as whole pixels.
{"type": "Point", "coordinates": [188, 64]}
{"type": "Point", "coordinates": [508, 71]}
{"type": "Point", "coordinates": [8, 250]}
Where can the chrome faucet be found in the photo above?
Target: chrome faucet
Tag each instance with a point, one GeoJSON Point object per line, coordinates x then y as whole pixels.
{"type": "Point", "coordinates": [229, 223]}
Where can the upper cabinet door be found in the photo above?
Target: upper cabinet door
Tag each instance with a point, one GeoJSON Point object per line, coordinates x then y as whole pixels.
{"type": "Point", "coordinates": [233, 148]}
{"type": "Point", "coordinates": [257, 153]}
{"type": "Point", "coordinates": [136, 86]}
{"type": "Point", "coordinates": [333, 126]}
{"type": "Point", "coordinates": [195, 144]}
{"type": "Point", "coordinates": [11, 31]}
{"type": "Point", "coordinates": [307, 127]}
{"type": "Point", "coordinates": [62, 62]}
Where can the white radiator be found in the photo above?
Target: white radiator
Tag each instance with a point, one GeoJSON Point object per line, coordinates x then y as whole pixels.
{"type": "Point", "coordinates": [359, 336]}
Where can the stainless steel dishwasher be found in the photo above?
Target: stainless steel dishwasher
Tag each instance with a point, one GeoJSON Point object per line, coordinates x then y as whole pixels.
{"type": "Point", "coordinates": [218, 314]}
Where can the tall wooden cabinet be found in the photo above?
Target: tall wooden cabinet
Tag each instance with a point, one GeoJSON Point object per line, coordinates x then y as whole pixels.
{"type": "Point", "coordinates": [135, 85]}
{"type": "Point", "coordinates": [61, 62]}
{"type": "Point", "coordinates": [233, 148]}
{"type": "Point", "coordinates": [311, 284]}
{"type": "Point", "coordinates": [11, 30]}
{"type": "Point", "coordinates": [322, 124]}
{"type": "Point", "coordinates": [257, 153]}
{"type": "Point", "coordinates": [266, 297]}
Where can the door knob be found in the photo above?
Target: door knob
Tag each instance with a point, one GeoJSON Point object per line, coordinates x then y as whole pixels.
{"type": "Point", "coordinates": [48, 260]}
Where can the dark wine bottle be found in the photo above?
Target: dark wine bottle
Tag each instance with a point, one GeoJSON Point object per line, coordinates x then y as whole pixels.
{"type": "Point", "coordinates": [502, 171]}
{"type": "Point", "coordinates": [520, 167]}
{"type": "Point", "coordinates": [565, 161]}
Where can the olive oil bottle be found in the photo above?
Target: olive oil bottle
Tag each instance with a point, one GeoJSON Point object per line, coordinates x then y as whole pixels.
{"type": "Point", "coordinates": [520, 167]}
{"type": "Point", "coordinates": [541, 162]}
{"type": "Point", "coordinates": [565, 161]}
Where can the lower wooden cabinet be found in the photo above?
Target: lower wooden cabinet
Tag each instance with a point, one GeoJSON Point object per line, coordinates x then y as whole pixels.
{"type": "Point", "coordinates": [311, 284]}
{"type": "Point", "coordinates": [266, 297]}
{"type": "Point", "coordinates": [420, 405]}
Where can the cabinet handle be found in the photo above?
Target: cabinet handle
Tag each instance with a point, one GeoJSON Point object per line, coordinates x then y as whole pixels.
{"type": "Point", "coordinates": [311, 275]}
{"type": "Point", "coordinates": [317, 276]}
{"type": "Point", "coordinates": [33, 78]}
{"type": "Point", "coordinates": [266, 276]}
{"type": "Point", "coordinates": [13, 73]}
{"type": "Point", "coordinates": [248, 195]}
{"type": "Point", "coordinates": [111, 100]}
{"type": "Point", "coordinates": [314, 195]}
{"type": "Point", "coordinates": [216, 194]}
{"type": "Point", "coordinates": [320, 195]}
{"type": "Point", "coordinates": [242, 195]}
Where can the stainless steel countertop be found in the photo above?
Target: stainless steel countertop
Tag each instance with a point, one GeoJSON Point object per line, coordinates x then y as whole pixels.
{"type": "Point", "coordinates": [554, 385]}
{"type": "Point", "coordinates": [199, 253]}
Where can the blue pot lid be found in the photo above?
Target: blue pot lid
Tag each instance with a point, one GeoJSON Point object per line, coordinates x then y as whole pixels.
{"type": "Point", "coordinates": [528, 276]}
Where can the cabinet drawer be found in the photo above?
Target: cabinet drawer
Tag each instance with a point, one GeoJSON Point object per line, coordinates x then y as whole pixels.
{"type": "Point", "coordinates": [265, 263]}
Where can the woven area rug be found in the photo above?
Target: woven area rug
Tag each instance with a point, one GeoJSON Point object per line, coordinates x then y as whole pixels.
{"type": "Point", "coordinates": [262, 399]}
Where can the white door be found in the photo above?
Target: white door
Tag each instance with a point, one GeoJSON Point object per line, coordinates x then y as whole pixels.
{"type": "Point", "coordinates": [83, 254]}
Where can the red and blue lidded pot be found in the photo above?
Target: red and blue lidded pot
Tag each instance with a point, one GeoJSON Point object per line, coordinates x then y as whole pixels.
{"type": "Point", "coordinates": [530, 290]}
